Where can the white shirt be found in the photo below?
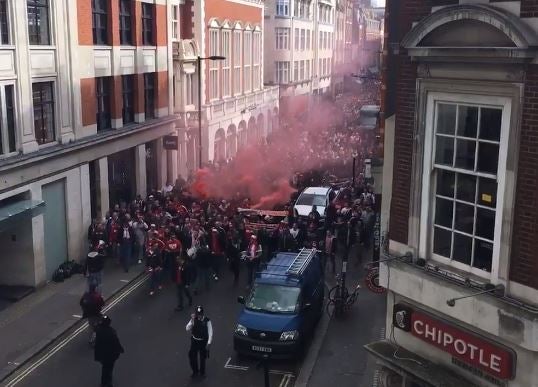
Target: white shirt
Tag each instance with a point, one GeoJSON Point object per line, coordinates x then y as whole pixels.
{"type": "Point", "coordinates": [190, 324]}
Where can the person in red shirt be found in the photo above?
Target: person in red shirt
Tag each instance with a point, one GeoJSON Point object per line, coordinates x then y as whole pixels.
{"type": "Point", "coordinates": [172, 251]}
{"type": "Point", "coordinates": [155, 243]}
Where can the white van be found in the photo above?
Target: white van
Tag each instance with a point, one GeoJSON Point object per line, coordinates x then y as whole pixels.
{"type": "Point", "coordinates": [312, 196]}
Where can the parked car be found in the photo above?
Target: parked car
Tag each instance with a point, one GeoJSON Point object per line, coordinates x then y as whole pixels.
{"type": "Point", "coordinates": [313, 196]}
{"type": "Point", "coordinates": [283, 307]}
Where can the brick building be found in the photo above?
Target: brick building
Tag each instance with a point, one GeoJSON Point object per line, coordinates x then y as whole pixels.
{"type": "Point", "coordinates": [460, 194]}
{"type": "Point", "coordinates": [237, 109]}
{"type": "Point", "coordinates": [86, 97]}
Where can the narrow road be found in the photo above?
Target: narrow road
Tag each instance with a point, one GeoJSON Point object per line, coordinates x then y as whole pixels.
{"type": "Point", "coordinates": [156, 346]}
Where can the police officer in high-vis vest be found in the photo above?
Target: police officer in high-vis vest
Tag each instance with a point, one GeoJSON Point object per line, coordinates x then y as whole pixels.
{"type": "Point", "coordinates": [202, 336]}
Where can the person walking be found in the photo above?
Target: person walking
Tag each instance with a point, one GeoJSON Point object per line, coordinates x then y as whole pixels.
{"type": "Point", "coordinates": [107, 350]}
{"type": "Point", "coordinates": [92, 303]}
{"type": "Point", "coordinates": [201, 338]}
{"type": "Point", "coordinates": [330, 250]}
{"type": "Point", "coordinates": [93, 268]}
{"type": "Point", "coordinates": [203, 268]}
{"type": "Point", "coordinates": [253, 254]}
{"type": "Point", "coordinates": [140, 227]}
{"type": "Point", "coordinates": [233, 254]}
{"type": "Point", "coordinates": [183, 281]}
{"type": "Point", "coordinates": [154, 267]}
{"type": "Point", "coordinates": [126, 240]}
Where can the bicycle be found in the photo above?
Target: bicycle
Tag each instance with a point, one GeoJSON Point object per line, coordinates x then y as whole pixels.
{"type": "Point", "coordinates": [339, 299]}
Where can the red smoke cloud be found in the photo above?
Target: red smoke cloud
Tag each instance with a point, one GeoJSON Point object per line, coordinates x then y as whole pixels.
{"type": "Point", "coordinates": [263, 173]}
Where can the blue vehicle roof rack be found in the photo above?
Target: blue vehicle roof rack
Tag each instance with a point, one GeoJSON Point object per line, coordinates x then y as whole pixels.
{"type": "Point", "coordinates": [301, 261]}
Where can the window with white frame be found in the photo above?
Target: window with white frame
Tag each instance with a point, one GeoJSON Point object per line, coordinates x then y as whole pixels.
{"type": "Point", "coordinates": [282, 72]}
{"type": "Point", "coordinates": [303, 39]}
{"type": "Point", "coordinates": [4, 20]}
{"type": "Point", "coordinates": [237, 62]}
{"type": "Point", "coordinates": [226, 63]}
{"type": "Point", "coordinates": [44, 117]}
{"type": "Point", "coordinates": [308, 47]}
{"type": "Point", "coordinates": [466, 168]}
{"type": "Point", "coordinates": [307, 69]}
{"type": "Point", "coordinates": [214, 92]}
{"type": "Point", "coordinates": [247, 61]}
{"type": "Point", "coordinates": [301, 70]}
{"type": "Point", "coordinates": [296, 71]}
{"type": "Point", "coordinates": [297, 36]}
{"type": "Point", "coordinates": [282, 7]}
{"type": "Point", "coordinates": [256, 54]}
{"type": "Point", "coordinates": [175, 22]}
{"type": "Point", "coordinates": [8, 139]}
{"type": "Point", "coordinates": [282, 38]}
{"type": "Point", "coordinates": [189, 89]}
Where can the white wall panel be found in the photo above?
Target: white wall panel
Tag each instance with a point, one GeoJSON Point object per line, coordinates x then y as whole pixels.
{"type": "Point", "coordinates": [7, 64]}
{"type": "Point", "coordinates": [43, 62]}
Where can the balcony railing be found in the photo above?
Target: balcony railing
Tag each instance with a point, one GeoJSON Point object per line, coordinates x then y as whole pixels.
{"type": "Point", "coordinates": [231, 105]}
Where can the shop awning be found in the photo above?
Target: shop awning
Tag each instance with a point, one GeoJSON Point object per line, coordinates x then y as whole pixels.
{"type": "Point", "coordinates": [23, 207]}
{"type": "Point", "coordinates": [408, 363]}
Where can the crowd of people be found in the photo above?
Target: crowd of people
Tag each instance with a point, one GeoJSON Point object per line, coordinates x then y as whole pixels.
{"type": "Point", "coordinates": [188, 239]}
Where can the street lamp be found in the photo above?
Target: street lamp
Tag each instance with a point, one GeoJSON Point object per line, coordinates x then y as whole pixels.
{"type": "Point", "coordinates": [199, 60]}
{"type": "Point", "coordinates": [355, 155]}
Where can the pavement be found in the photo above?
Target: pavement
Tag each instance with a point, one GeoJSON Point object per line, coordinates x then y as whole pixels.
{"type": "Point", "coordinates": [28, 326]}
{"type": "Point", "coordinates": [341, 349]}
{"type": "Point", "coordinates": [156, 344]}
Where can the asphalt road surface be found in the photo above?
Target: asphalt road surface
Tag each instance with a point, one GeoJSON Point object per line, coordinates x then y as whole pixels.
{"type": "Point", "coordinates": [156, 346]}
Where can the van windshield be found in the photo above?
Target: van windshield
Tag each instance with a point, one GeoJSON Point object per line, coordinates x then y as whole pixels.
{"type": "Point", "coordinates": [311, 200]}
{"type": "Point", "coordinates": [273, 298]}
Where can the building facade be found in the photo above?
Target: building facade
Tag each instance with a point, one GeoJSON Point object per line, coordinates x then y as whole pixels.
{"type": "Point", "coordinates": [86, 98]}
{"type": "Point", "coordinates": [367, 42]}
{"type": "Point", "coordinates": [237, 109]}
{"type": "Point", "coordinates": [299, 39]}
{"type": "Point", "coordinates": [460, 193]}
{"type": "Point", "coordinates": [342, 59]}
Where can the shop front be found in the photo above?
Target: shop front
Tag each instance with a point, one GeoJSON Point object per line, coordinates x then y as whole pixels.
{"type": "Point", "coordinates": [429, 336]}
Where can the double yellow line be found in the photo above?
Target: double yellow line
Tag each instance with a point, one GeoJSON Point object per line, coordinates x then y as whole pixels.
{"type": "Point", "coordinates": [49, 353]}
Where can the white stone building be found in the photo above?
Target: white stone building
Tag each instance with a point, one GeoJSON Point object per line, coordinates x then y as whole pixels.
{"type": "Point", "coordinates": [85, 100]}
{"type": "Point", "coordinates": [299, 39]}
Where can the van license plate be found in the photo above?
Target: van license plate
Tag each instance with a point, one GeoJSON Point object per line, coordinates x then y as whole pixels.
{"type": "Point", "coordinates": [261, 349]}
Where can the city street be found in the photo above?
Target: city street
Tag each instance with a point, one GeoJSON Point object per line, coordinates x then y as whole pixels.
{"type": "Point", "coordinates": [156, 345]}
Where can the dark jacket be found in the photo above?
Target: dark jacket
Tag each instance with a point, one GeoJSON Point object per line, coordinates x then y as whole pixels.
{"type": "Point", "coordinates": [107, 345]}
{"type": "Point", "coordinates": [91, 304]}
{"type": "Point", "coordinates": [203, 257]}
{"type": "Point", "coordinates": [94, 264]}
{"type": "Point", "coordinates": [121, 238]}
{"type": "Point", "coordinates": [154, 260]}
{"type": "Point", "coordinates": [183, 275]}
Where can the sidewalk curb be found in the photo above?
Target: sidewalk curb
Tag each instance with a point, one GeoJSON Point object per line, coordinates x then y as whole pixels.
{"type": "Point", "coordinates": [312, 357]}
{"type": "Point", "coordinates": [42, 345]}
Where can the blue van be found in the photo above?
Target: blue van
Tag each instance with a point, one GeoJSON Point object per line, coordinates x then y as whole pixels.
{"type": "Point", "coordinates": [283, 307]}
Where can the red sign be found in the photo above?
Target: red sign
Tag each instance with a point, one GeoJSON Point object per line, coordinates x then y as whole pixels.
{"type": "Point", "coordinates": [480, 353]}
{"type": "Point", "coordinates": [372, 281]}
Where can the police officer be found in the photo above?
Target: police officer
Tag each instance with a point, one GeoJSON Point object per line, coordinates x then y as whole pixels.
{"type": "Point", "coordinates": [202, 336]}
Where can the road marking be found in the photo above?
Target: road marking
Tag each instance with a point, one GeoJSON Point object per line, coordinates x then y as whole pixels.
{"type": "Point", "coordinates": [70, 337]}
{"type": "Point", "coordinates": [126, 281]}
{"type": "Point", "coordinates": [233, 366]}
{"type": "Point", "coordinates": [77, 316]}
{"type": "Point", "coordinates": [286, 379]}
{"type": "Point", "coordinates": [278, 372]}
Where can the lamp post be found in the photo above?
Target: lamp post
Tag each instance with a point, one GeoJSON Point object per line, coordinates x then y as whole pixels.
{"type": "Point", "coordinates": [199, 60]}
{"type": "Point", "coordinates": [355, 155]}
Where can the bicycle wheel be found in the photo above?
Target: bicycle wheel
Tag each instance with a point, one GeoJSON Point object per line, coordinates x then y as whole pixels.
{"type": "Point", "coordinates": [329, 308]}
{"type": "Point", "coordinates": [333, 293]}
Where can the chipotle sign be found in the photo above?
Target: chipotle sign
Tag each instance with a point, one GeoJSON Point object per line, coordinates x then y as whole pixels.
{"type": "Point", "coordinates": [481, 353]}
